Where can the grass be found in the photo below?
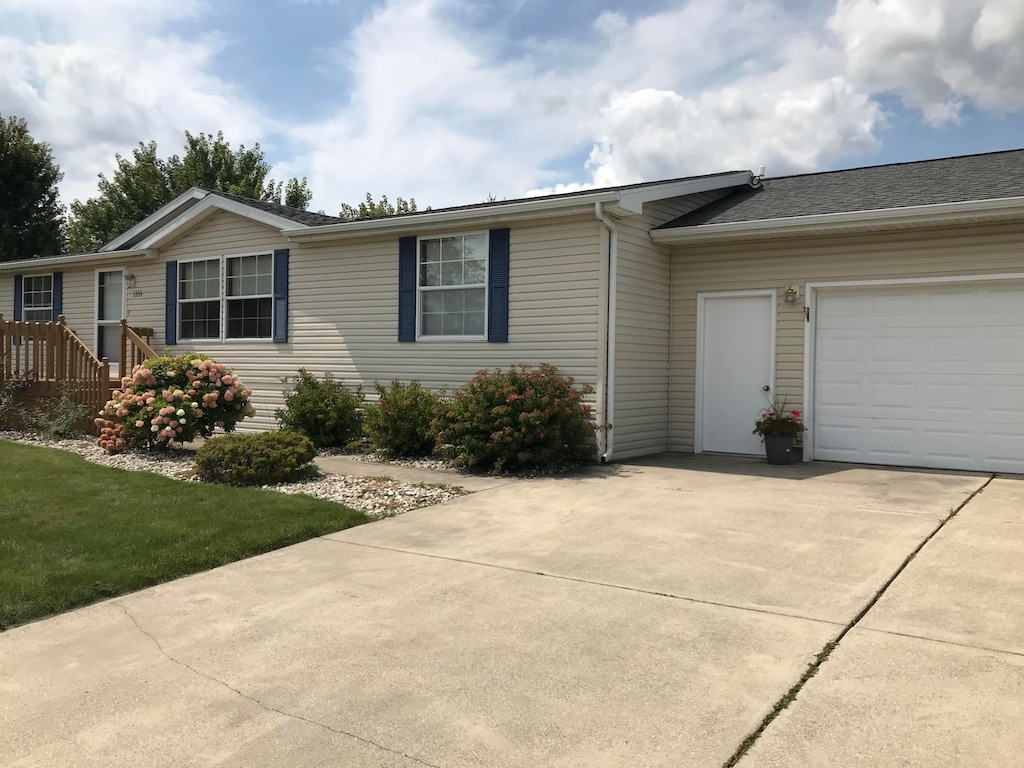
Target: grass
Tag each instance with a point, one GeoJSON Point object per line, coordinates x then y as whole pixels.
{"type": "Point", "coordinates": [73, 533]}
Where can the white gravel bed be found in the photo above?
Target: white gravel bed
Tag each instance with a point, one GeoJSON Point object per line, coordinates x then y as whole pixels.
{"type": "Point", "coordinates": [376, 497]}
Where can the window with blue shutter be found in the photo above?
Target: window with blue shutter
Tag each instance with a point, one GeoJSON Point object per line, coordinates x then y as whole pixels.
{"type": "Point", "coordinates": [18, 297]}
{"type": "Point", "coordinates": [171, 304]}
{"type": "Point", "coordinates": [407, 289]}
{"type": "Point", "coordinates": [34, 298]}
{"type": "Point", "coordinates": [454, 286]}
{"type": "Point", "coordinates": [57, 298]}
{"type": "Point", "coordinates": [281, 295]}
{"type": "Point", "coordinates": [497, 285]}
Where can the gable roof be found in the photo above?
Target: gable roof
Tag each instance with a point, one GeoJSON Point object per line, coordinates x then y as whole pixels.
{"type": "Point", "coordinates": [305, 218]}
{"type": "Point", "coordinates": [991, 176]}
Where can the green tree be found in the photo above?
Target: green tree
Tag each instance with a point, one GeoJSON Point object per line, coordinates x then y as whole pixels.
{"type": "Point", "coordinates": [372, 210]}
{"type": "Point", "coordinates": [31, 216]}
{"type": "Point", "coordinates": [145, 182]}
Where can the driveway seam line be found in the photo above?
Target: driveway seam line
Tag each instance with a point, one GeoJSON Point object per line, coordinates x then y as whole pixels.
{"type": "Point", "coordinates": [577, 580]}
{"type": "Point", "coordinates": [260, 704]}
{"type": "Point", "coordinates": [812, 669]}
{"type": "Point", "coordinates": [910, 636]}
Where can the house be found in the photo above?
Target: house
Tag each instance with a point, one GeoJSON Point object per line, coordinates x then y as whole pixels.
{"type": "Point", "coordinates": [886, 303]}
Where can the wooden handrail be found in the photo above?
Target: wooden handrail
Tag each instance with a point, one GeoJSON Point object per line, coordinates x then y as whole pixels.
{"type": "Point", "coordinates": [55, 360]}
{"type": "Point", "coordinates": [135, 348]}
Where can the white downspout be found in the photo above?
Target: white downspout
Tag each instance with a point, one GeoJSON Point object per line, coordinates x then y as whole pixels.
{"type": "Point", "coordinates": [609, 373]}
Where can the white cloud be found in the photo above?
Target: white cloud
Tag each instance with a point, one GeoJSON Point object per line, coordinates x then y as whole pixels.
{"type": "Point", "coordinates": [433, 114]}
{"type": "Point", "coordinates": [94, 78]}
{"type": "Point", "coordinates": [427, 106]}
{"type": "Point", "coordinates": [936, 54]}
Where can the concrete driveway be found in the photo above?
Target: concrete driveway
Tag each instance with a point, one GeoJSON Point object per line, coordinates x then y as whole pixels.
{"type": "Point", "coordinates": [647, 614]}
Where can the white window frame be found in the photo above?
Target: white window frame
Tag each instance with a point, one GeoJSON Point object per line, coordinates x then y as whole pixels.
{"type": "Point", "coordinates": [25, 308]}
{"type": "Point", "coordinates": [421, 289]}
{"type": "Point", "coordinates": [223, 299]}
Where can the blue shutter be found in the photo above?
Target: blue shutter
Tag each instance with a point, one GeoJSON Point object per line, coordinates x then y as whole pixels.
{"type": "Point", "coordinates": [281, 295]}
{"type": "Point", "coordinates": [18, 297]}
{"type": "Point", "coordinates": [407, 289]}
{"type": "Point", "coordinates": [171, 304]}
{"type": "Point", "coordinates": [57, 297]}
{"type": "Point", "coordinates": [497, 285]}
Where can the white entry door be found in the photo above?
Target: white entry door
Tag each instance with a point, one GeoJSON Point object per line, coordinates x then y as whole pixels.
{"type": "Point", "coordinates": [109, 311]}
{"type": "Point", "coordinates": [735, 366]}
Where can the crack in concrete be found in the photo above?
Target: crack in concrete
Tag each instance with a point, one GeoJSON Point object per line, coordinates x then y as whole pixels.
{"type": "Point", "coordinates": [790, 696]}
{"type": "Point", "coordinates": [260, 704]}
{"type": "Point", "coordinates": [591, 582]}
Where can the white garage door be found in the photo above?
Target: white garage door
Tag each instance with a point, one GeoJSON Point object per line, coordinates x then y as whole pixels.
{"type": "Point", "coordinates": [922, 375]}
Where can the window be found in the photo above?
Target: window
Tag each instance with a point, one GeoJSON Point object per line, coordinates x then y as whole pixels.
{"type": "Point", "coordinates": [452, 284]}
{"type": "Point", "coordinates": [250, 296]}
{"type": "Point", "coordinates": [199, 297]}
{"type": "Point", "coordinates": [37, 298]}
{"type": "Point", "coordinates": [236, 288]}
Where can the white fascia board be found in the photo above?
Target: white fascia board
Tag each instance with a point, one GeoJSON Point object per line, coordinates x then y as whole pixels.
{"type": "Point", "coordinates": [633, 200]}
{"type": "Point", "coordinates": [1001, 209]}
{"type": "Point", "coordinates": [76, 259]}
{"type": "Point", "coordinates": [210, 205]}
{"type": "Point", "coordinates": [428, 220]}
{"type": "Point", "coordinates": [194, 193]}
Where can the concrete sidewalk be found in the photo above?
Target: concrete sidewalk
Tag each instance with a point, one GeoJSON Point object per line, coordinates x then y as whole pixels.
{"type": "Point", "coordinates": [642, 614]}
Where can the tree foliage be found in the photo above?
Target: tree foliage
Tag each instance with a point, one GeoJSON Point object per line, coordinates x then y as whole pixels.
{"type": "Point", "coordinates": [145, 182]}
{"type": "Point", "coordinates": [378, 210]}
{"type": "Point", "coordinates": [31, 216]}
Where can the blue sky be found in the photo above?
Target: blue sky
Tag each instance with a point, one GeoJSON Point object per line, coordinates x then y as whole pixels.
{"type": "Point", "coordinates": [450, 101]}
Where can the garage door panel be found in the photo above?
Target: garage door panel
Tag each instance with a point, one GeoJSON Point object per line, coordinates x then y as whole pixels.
{"type": "Point", "coordinates": [921, 375]}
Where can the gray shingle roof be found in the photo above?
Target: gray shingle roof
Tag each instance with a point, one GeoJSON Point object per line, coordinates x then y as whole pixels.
{"type": "Point", "coordinates": [929, 182]}
{"type": "Point", "coordinates": [307, 218]}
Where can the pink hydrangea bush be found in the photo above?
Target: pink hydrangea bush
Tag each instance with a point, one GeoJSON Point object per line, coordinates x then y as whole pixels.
{"type": "Point", "coordinates": [175, 399]}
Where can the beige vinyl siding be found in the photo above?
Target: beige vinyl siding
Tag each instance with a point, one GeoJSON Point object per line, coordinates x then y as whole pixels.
{"type": "Point", "coordinates": [257, 362]}
{"type": "Point", "coordinates": [80, 304]}
{"type": "Point", "coordinates": [642, 329]}
{"type": "Point", "coordinates": [343, 310]}
{"type": "Point", "coordinates": [759, 264]}
{"type": "Point", "coordinates": [641, 420]}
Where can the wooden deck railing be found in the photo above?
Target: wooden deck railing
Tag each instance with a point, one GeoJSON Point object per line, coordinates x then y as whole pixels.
{"type": "Point", "coordinates": [55, 360]}
{"type": "Point", "coordinates": [135, 348]}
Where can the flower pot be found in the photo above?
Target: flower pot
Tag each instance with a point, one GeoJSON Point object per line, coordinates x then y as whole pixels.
{"type": "Point", "coordinates": [779, 448]}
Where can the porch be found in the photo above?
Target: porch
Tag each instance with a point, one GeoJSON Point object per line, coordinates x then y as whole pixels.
{"type": "Point", "coordinates": [42, 360]}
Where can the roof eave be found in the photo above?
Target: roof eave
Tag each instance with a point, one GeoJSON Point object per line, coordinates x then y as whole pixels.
{"type": "Point", "coordinates": [911, 217]}
{"type": "Point", "coordinates": [627, 202]}
{"type": "Point", "coordinates": [77, 258]}
{"type": "Point", "coordinates": [531, 209]}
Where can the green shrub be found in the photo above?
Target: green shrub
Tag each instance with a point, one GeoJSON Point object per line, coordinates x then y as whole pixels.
{"type": "Point", "coordinates": [177, 398]}
{"type": "Point", "coordinates": [520, 419]}
{"type": "Point", "coordinates": [399, 424]}
{"type": "Point", "coordinates": [324, 410]}
{"type": "Point", "coordinates": [57, 418]}
{"type": "Point", "coordinates": [265, 458]}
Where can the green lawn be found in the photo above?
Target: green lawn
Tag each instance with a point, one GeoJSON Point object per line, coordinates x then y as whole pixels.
{"type": "Point", "coordinates": [72, 533]}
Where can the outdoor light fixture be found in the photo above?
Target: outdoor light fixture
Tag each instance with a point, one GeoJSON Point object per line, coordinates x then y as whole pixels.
{"type": "Point", "coordinates": [130, 281]}
{"type": "Point", "coordinates": [792, 294]}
